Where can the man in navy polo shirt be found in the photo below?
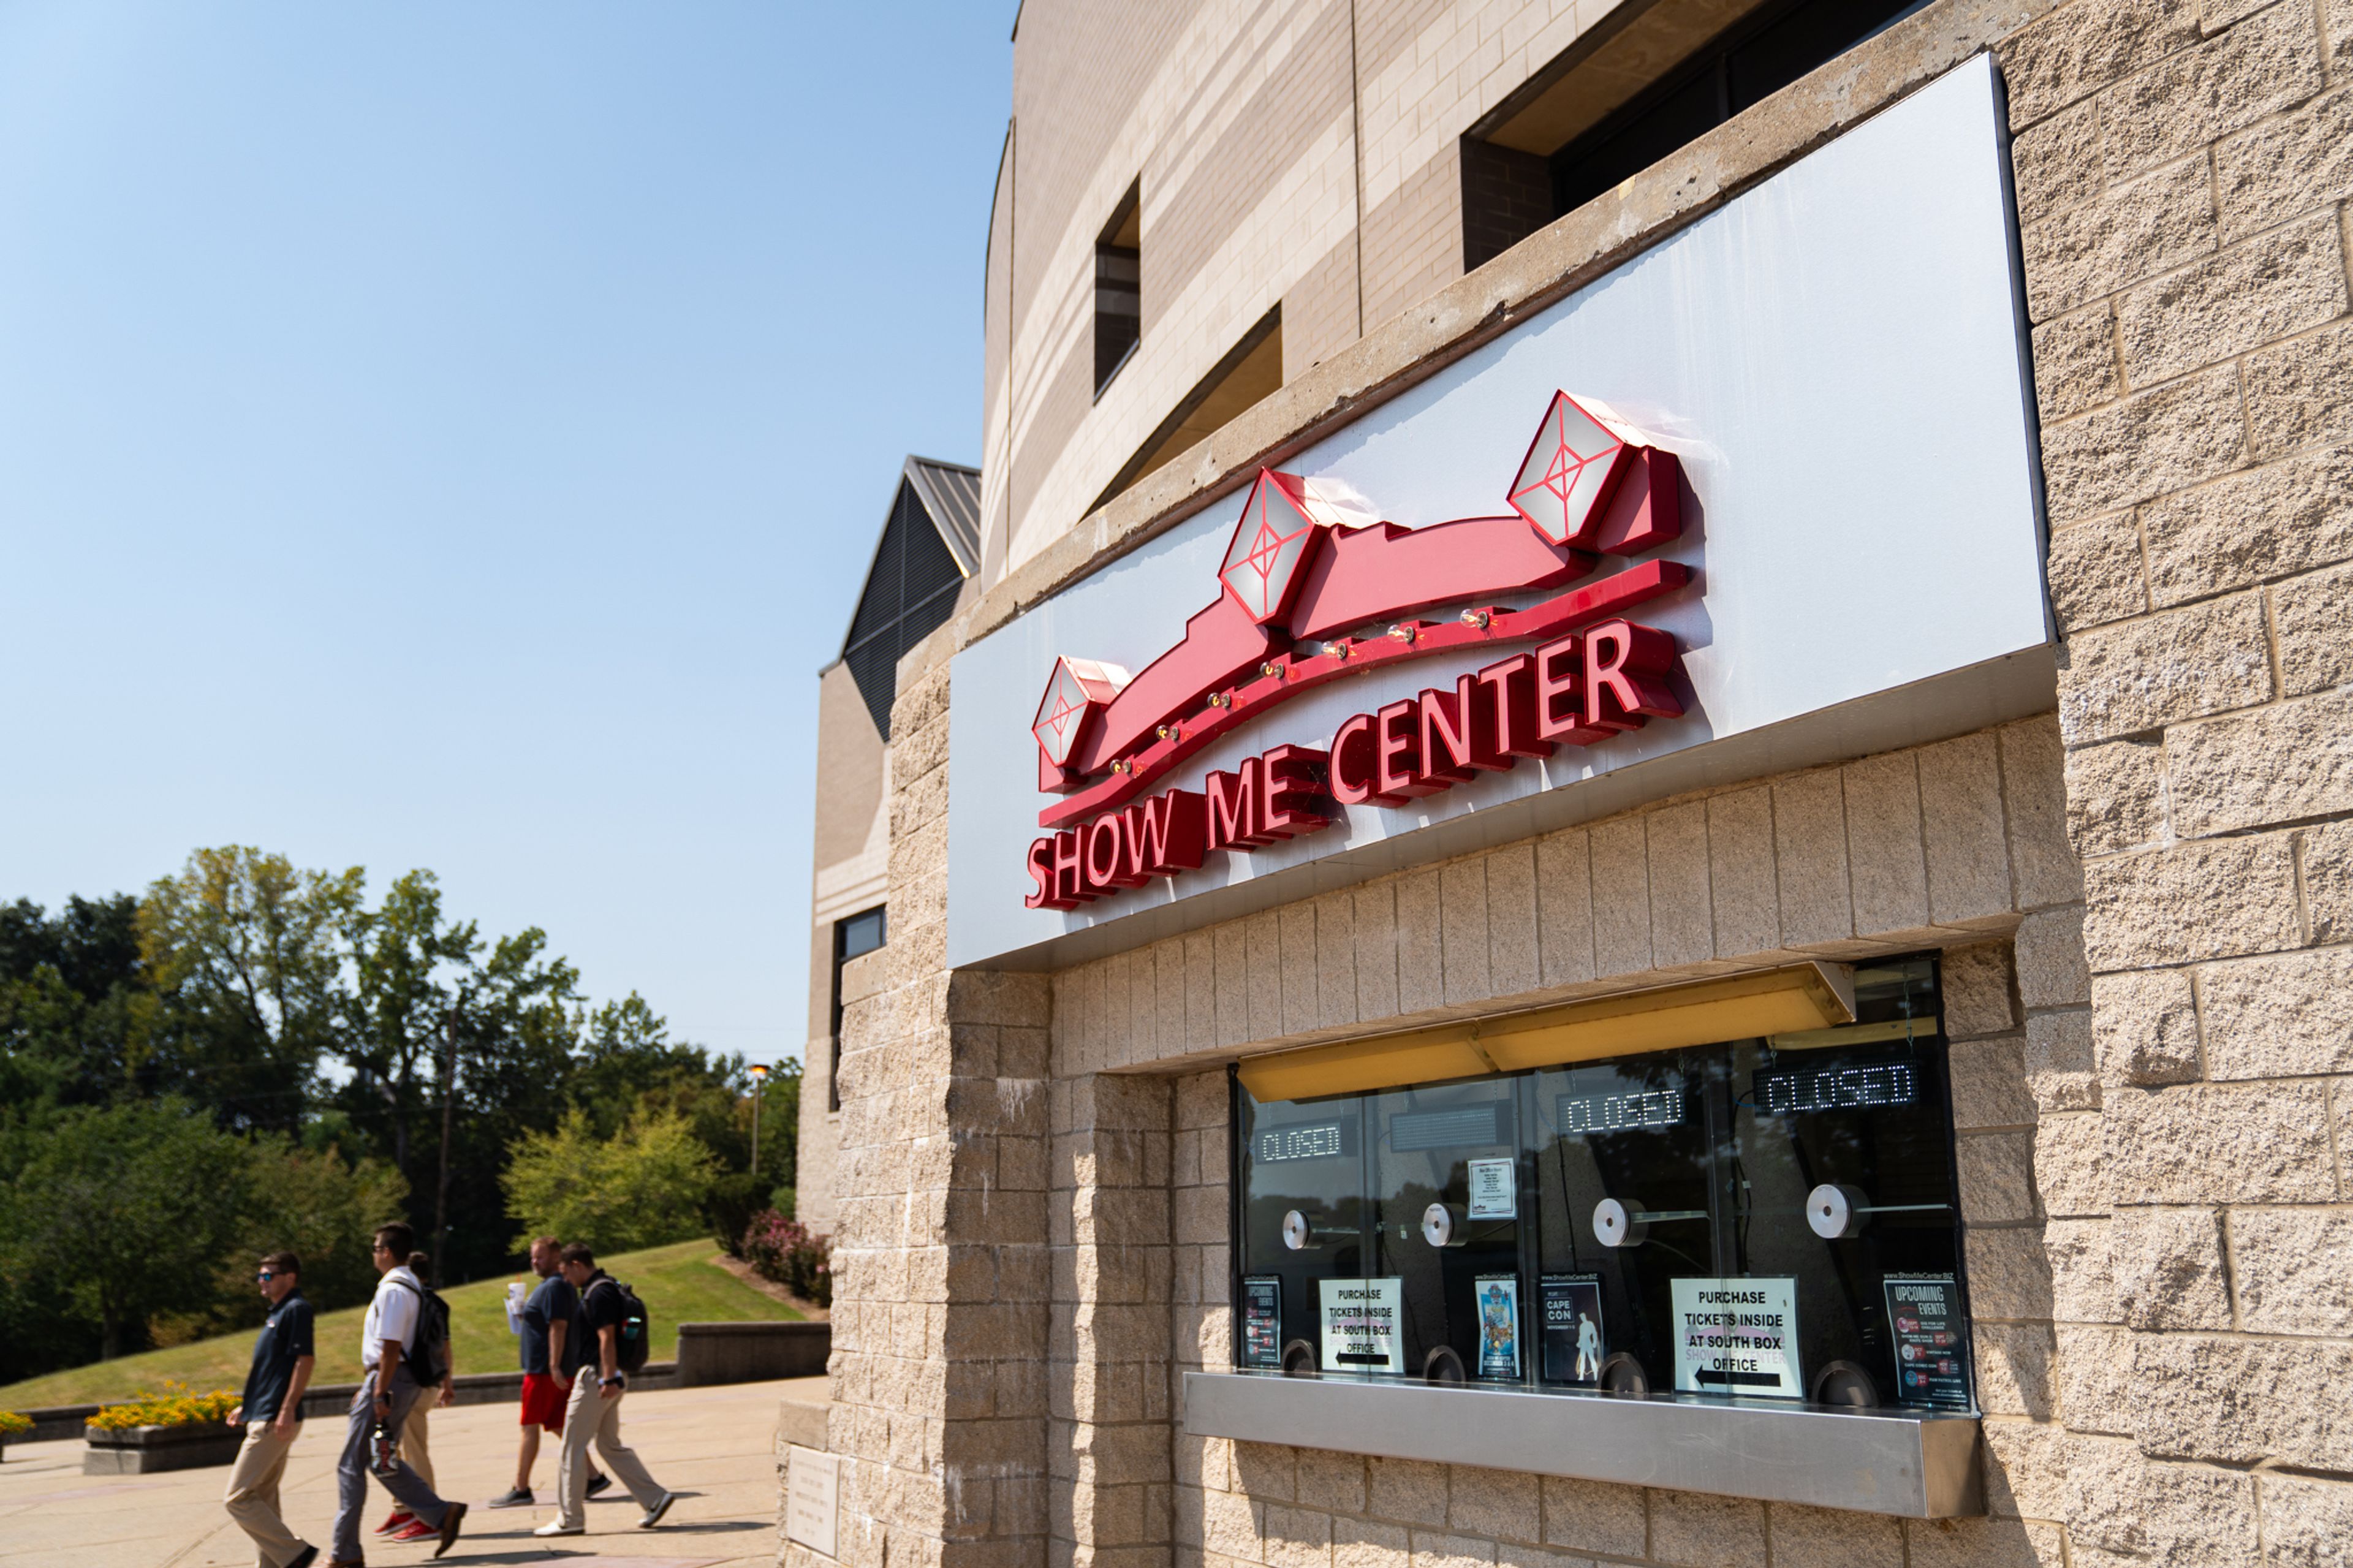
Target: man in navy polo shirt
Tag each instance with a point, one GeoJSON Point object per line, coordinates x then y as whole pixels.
{"type": "Point", "coordinates": [271, 1412]}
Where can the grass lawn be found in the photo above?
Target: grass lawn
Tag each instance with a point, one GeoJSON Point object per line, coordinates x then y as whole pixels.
{"type": "Point", "coordinates": [681, 1283]}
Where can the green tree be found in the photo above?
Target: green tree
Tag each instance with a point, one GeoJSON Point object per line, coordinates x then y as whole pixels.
{"type": "Point", "coordinates": [247, 953]}
{"type": "Point", "coordinates": [127, 1208]}
{"type": "Point", "coordinates": [640, 1188]}
{"type": "Point", "coordinates": [317, 1205]}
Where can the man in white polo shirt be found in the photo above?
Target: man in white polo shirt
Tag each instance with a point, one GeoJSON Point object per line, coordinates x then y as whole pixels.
{"type": "Point", "coordinates": [385, 1396]}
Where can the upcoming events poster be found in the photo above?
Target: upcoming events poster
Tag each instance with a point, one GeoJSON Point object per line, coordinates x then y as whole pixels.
{"type": "Point", "coordinates": [1499, 1325]}
{"type": "Point", "coordinates": [1738, 1336]}
{"type": "Point", "coordinates": [1573, 1344]}
{"type": "Point", "coordinates": [1262, 1321]}
{"type": "Point", "coordinates": [1359, 1324]}
{"type": "Point", "coordinates": [1932, 1341]}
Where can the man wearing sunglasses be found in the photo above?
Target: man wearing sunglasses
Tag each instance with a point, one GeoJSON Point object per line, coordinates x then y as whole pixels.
{"type": "Point", "coordinates": [271, 1414]}
{"type": "Point", "coordinates": [386, 1395]}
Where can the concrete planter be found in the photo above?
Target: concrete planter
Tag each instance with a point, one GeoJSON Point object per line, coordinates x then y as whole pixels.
{"type": "Point", "coordinates": [751, 1353]}
{"type": "Point", "coordinates": [145, 1450]}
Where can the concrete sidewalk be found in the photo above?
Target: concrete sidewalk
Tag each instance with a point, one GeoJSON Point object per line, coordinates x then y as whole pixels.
{"type": "Point", "coordinates": [714, 1447]}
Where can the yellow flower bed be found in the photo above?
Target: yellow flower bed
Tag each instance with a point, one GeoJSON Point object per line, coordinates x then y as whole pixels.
{"type": "Point", "coordinates": [12, 1425]}
{"type": "Point", "coordinates": [177, 1405]}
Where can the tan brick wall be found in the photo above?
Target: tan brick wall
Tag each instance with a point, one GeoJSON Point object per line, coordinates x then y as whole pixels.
{"type": "Point", "coordinates": [1241, 120]}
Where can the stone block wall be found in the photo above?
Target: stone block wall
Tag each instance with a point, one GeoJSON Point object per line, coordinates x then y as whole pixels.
{"type": "Point", "coordinates": [2183, 173]}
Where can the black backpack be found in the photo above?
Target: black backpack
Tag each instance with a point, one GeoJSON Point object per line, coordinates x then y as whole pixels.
{"type": "Point", "coordinates": [635, 1335]}
{"type": "Point", "coordinates": [637, 1330]}
{"type": "Point", "coordinates": [428, 1358]}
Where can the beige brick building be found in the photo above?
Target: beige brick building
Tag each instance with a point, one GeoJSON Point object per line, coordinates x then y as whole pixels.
{"type": "Point", "coordinates": [2100, 886]}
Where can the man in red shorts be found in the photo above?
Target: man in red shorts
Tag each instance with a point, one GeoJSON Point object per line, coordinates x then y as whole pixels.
{"type": "Point", "coordinates": [543, 1323]}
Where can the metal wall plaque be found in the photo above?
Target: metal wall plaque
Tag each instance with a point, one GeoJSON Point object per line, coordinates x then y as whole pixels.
{"type": "Point", "coordinates": [812, 1499]}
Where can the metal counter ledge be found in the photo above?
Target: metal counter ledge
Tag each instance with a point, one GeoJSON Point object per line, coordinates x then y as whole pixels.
{"type": "Point", "coordinates": [1919, 1464]}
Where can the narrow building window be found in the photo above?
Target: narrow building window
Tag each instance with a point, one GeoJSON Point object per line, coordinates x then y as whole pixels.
{"type": "Point", "coordinates": [1119, 309]}
{"type": "Point", "coordinates": [856, 937]}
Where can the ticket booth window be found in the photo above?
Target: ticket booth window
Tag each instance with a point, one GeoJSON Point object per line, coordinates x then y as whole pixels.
{"type": "Point", "coordinates": [1772, 1217]}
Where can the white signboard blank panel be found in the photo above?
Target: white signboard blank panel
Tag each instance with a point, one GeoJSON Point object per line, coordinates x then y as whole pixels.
{"type": "Point", "coordinates": [1836, 358]}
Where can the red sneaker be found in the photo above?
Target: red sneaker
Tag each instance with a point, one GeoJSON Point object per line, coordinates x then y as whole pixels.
{"type": "Point", "coordinates": [419, 1531]}
{"type": "Point", "coordinates": [401, 1520]}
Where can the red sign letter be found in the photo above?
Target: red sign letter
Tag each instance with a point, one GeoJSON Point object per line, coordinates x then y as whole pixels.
{"type": "Point", "coordinates": [1294, 777]}
{"type": "Point", "coordinates": [1234, 809]}
{"type": "Point", "coordinates": [1167, 833]}
{"type": "Point", "coordinates": [1626, 676]}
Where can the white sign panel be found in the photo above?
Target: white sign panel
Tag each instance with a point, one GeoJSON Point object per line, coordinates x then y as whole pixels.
{"type": "Point", "coordinates": [1494, 1190]}
{"type": "Point", "coordinates": [1835, 361]}
{"type": "Point", "coordinates": [1360, 1325]}
{"type": "Point", "coordinates": [812, 1499]}
{"type": "Point", "coordinates": [1738, 1336]}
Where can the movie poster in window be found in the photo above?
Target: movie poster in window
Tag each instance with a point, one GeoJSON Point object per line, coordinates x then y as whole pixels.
{"type": "Point", "coordinates": [1498, 1296]}
{"type": "Point", "coordinates": [1574, 1344]}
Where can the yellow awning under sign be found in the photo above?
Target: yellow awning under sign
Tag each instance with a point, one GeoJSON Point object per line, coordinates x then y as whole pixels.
{"type": "Point", "coordinates": [1799, 997]}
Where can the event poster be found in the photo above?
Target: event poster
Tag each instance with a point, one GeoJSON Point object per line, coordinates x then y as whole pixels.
{"type": "Point", "coordinates": [1498, 1296]}
{"type": "Point", "coordinates": [1262, 1321]}
{"type": "Point", "coordinates": [1573, 1344]}
{"type": "Point", "coordinates": [1738, 1336]}
{"type": "Point", "coordinates": [1494, 1190]}
{"type": "Point", "coordinates": [1932, 1342]}
{"type": "Point", "coordinates": [1360, 1324]}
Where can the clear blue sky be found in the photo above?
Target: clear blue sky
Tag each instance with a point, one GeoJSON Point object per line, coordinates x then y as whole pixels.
{"type": "Point", "coordinates": [451, 435]}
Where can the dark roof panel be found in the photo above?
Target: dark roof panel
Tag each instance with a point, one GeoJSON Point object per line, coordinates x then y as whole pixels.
{"type": "Point", "coordinates": [951, 494]}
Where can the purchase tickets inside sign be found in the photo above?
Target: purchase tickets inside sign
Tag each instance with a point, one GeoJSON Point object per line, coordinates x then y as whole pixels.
{"type": "Point", "coordinates": [1360, 1324]}
{"type": "Point", "coordinates": [1738, 1336]}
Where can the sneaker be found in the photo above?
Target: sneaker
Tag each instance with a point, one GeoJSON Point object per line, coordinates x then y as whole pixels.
{"type": "Point", "coordinates": [654, 1514]}
{"type": "Point", "coordinates": [401, 1520]}
{"type": "Point", "coordinates": [451, 1523]}
{"type": "Point", "coordinates": [558, 1527]}
{"type": "Point", "coordinates": [599, 1482]}
{"type": "Point", "coordinates": [418, 1530]}
{"type": "Point", "coordinates": [519, 1498]}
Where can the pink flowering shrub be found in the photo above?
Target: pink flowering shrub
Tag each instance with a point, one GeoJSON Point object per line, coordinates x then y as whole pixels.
{"type": "Point", "coordinates": [792, 1254]}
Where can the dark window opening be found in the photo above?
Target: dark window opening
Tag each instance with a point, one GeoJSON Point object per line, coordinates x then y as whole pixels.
{"type": "Point", "coordinates": [909, 591]}
{"type": "Point", "coordinates": [1119, 298]}
{"type": "Point", "coordinates": [1742, 64]}
{"type": "Point", "coordinates": [1249, 371]}
{"type": "Point", "coordinates": [856, 937]}
{"type": "Point", "coordinates": [1767, 1217]}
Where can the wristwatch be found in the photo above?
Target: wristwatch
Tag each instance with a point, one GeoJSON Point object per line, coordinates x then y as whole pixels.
{"type": "Point", "coordinates": [616, 1381]}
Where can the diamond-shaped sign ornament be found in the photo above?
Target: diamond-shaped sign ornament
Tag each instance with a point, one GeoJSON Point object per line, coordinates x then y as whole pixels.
{"type": "Point", "coordinates": [1271, 543]}
{"type": "Point", "coordinates": [1578, 452]}
{"type": "Point", "coordinates": [1078, 689]}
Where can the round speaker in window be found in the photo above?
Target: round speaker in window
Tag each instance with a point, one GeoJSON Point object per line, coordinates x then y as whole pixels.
{"type": "Point", "coordinates": [1441, 1365]}
{"type": "Point", "coordinates": [1438, 1224]}
{"type": "Point", "coordinates": [1299, 1359]}
{"type": "Point", "coordinates": [1837, 1212]}
{"type": "Point", "coordinates": [1843, 1382]}
{"type": "Point", "coordinates": [1296, 1232]}
{"type": "Point", "coordinates": [1621, 1373]}
{"type": "Point", "coordinates": [1619, 1223]}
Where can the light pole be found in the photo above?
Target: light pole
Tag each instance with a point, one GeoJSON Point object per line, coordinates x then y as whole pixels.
{"type": "Point", "coordinates": [759, 1082]}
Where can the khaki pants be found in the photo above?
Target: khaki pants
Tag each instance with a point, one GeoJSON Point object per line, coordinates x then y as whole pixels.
{"type": "Point", "coordinates": [252, 1496]}
{"type": "Point", "coordinates": [586, 1415]}
{"type": "Point", "coordinates": [415, 1450]}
